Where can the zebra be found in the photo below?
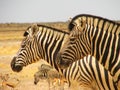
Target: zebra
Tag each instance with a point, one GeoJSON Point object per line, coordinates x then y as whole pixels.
{"type": "Point", "coordinates": [43, 42]}
{"type": "Point", "coordinates": [96, 36]}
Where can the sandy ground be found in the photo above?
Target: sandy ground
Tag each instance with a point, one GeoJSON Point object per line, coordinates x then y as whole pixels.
{"type": "Point", "coordinates": [23, 80]}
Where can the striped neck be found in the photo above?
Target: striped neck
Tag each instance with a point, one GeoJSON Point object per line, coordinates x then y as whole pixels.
{"type": "Point", "coordinates": [50, 42]}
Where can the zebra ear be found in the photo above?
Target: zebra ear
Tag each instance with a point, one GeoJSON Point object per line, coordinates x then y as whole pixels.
{"type": "Point", "coordinates": [34, 28]}
{"type": "Point", "coordinates": [82, 25]}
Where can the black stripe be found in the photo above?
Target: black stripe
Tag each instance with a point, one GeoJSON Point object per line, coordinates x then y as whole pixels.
{"type": "Point", "coordinates": [106, 50]}
{"type": "Point", "coordinates": [99, 73]}
{"type": "Point", "coordinates": [98, 42]}
{"type": "Point", "coordinates": [51, 50]}
{"type": "Point", "coordinates": [91, 67]}
{"type": "Point", "coordinates": [116, 58]}
{"type": "Point", "coordinates": [83, 44]}
{"type": "Point", "coordinates": [69, 70]}
{"type": "Point", "coordinates": [86, 70]}
{"type": "Point", "coordinates": [112, 54]}
{"type": "Point", "coordinates": [117, 29]}
{"type": "Point", "coordinates": [73, 70]}
{"type": "Point", "coordinates": [92, 31]}
{"type": "Point", "coordinates": [103, 42]}
{"type": "Point", "coordinates": [89, 37]}
{"type": "Point", "coordinates": [94, 40]}
{"type": "Point", "coordinates": [42, 40]}
{"type": "Point", "coordinates": [46, 46]}
{"type": "Point", "coordinates": [107, 78]}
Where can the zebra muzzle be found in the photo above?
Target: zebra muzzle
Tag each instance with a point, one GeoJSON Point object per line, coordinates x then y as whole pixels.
{"type": "Point", "coordinates": [63, 64]}
{"type": "Point", "coordinates": [16, 67]}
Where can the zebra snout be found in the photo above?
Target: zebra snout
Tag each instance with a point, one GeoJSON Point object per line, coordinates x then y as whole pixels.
{"type": "Point", "coordinates": [62, 62]}
{"type": "Point", "coordinates": [16, 68]}
{"type": "Point", "coordinates": [65, 64]}
{"type": "Point", "coordinates": [58, 60]}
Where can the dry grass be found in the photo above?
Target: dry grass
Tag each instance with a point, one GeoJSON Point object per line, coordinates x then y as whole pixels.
{"type": "Point", "coordinates": [14, 31]}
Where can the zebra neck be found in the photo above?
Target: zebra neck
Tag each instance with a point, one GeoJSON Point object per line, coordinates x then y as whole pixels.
{"type": "Point", "coordinates": [84, 44]}
{"type": "Point", "coordinates": [49, 50]}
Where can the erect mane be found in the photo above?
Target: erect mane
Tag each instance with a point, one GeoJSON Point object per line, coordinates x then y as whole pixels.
{"type": "Point", "coordinates": [47, 27]}
{"type": "Point", "coordinates": [93, 17]}
{"type": "Point", "coordinates": [55, 29]}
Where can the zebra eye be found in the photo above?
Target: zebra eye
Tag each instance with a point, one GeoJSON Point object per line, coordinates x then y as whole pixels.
{"type": "Point", "coordinates": [71, 26]}
{"type": "Point", "coordinates": [25, 34]}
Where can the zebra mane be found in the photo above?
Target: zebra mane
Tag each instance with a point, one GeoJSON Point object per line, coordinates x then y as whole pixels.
{"type": "Point", "coordinates": [55, 29]}
{"type": "Point", "coordinates": [48, 27]}
{"type": "Point", "coordinates": [71, 25]}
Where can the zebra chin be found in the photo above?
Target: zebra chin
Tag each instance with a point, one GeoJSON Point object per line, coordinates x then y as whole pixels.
{"type": "Point", "coordinates": [16, 67]}
{"type": "Point", "coordinates": [63, 64]}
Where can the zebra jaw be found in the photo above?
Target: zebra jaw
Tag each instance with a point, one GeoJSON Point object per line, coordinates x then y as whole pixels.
{"type": "Point", "coordinates": [62, 64]}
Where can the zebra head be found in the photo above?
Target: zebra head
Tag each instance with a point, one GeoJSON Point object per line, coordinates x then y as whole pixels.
{"type": "Point", "coordinates": [28, 52]}
{"type": "Point", "coordinates": [78, 24]}
{"type": "Point", "coordinates": [69, 52]}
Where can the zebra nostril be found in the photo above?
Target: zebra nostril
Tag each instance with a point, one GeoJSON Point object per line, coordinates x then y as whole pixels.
{"type": "Point", "coordinates": [18, 68]}
{"type": "Point", "coordinates": [13, 63]}
{"type": "Point", "coordinates": [58, 59]}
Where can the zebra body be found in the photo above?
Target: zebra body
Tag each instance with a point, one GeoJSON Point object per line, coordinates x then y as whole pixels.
{"type": "Point", "coordinates": [42, 42]}
{"type": "Point", "coordinates": [96, 36]}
